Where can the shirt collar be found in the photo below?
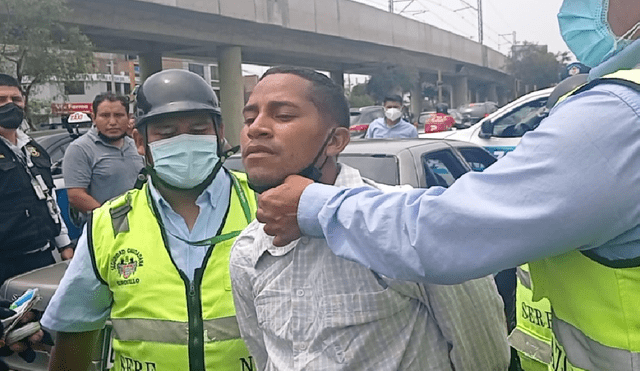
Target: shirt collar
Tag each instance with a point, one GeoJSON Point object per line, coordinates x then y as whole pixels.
{"type": "Point", "coordinates": [347, 177]}
{"type": "Point", "coordinates": [21, 140]}
{"type": "Point", "coordinates": [210, 197]}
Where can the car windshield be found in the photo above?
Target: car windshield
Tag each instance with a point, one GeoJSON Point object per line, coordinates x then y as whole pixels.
{"type": "Point", "coordinates": [521, 120]}
{"type": "Point", "coordinates": [379, 168]}
{"type": "Point", "coordinates": [366, 117]}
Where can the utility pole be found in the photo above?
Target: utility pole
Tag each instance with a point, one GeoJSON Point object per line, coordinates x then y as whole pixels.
{"type": "Point", "coordinates": [480, 22]}
{"type": "Point", "coordinates": [480, 25]}
{"type": "Point", "coordinates": [391, 6]}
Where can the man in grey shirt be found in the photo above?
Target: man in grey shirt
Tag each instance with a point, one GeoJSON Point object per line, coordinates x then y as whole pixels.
{"type": "Point", "coordinates": [104, 162]}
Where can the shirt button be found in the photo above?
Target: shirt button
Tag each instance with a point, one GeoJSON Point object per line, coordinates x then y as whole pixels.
{"type": "Point", "coordinates": [303, 347]}
{"type": "Point", "coordinates": [300, 292]}
{"type": "Point", "coordinates": [305, 240]}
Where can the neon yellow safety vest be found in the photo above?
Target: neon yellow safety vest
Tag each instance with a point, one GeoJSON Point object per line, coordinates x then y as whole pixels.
{"type": "Point", "coordinates": [596, 303]}
{"type": "Point", "coordinates": [532, 335]}
{"type": "Point", "coordinates": [162, 320]}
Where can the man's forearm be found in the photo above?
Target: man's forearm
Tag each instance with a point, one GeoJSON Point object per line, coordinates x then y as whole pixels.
{"type": "Point", "coordinates": [73, 351]}
{"type": "Point", "coordinates": [81, 200]}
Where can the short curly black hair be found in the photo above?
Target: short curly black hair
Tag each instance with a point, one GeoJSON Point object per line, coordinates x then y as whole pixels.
{"type": "Point", "coordinates": [326, 95]}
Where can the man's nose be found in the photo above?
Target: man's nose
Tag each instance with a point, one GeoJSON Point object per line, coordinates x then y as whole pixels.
{"type": "Point", "coordinates": [260, 127]}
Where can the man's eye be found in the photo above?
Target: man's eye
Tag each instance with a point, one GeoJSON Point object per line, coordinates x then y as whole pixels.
{"type": "Point", "coordinates": [249, 120]}
{"type": "Point", "coordinates": [285, 117]}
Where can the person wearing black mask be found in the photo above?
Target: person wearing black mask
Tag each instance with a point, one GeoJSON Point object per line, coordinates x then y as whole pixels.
{"type": "Point", "coordinates": [31, 222]}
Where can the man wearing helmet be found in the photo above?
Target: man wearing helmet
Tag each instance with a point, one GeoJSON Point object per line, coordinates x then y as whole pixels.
{"type": "Point", "coordinates": [440, 121]}
{"type": "Point", "coordinates": [146, 256]}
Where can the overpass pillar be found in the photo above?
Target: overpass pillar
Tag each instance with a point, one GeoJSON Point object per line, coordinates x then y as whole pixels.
{"type": "Point", "coordinates": [493, 93]}
{"type": "Point", "coordinates": [150, 63]}
{"type": "Point", "coordinates": [461, 91]}
{"type": "Point", "coordinates": [337, 77]}
{"type": "Point", "coordinates": [416, 99]}
{"type": "Point", "coordinates": [231, 91]}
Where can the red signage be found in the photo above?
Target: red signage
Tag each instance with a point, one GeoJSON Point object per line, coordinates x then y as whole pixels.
{"type": "Point", "coordinates": [69, 108]}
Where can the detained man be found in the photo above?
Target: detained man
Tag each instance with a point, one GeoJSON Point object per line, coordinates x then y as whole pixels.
{"type": "Point", "coordinates": [300, 307]}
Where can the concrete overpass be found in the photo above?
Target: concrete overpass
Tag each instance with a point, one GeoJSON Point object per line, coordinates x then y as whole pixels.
{"type": "Point", "coordinates": [340, 36]}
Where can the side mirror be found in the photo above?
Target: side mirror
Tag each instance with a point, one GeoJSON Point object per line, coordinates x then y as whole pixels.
{"type": "Point", "coordinates": [486, 129]}
{"type": "Point", "coordinates": [56, 168]}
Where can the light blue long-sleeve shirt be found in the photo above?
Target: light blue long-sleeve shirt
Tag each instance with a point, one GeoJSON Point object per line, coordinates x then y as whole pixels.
{"type": "Point", "coordinates": [379, 129]}
{"type": "Point", "coordinates": [573, 183]}
{"type": "Point", "coordinates": [82, 303]}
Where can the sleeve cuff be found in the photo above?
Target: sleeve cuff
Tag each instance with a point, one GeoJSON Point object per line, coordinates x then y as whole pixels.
{"type": "Point", "coordinates": [62, 241]}
{"type": "Point", "coordinates": [311, 203]}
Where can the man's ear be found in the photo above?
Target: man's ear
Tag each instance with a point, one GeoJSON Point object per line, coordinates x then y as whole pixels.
{"type": "Point", "coordinates": [139, 139]}
{"type": "Point", "coordinates": [341, 137]}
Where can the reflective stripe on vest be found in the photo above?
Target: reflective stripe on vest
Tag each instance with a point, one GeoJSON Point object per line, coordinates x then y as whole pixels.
{"type": "Point", "coordinates": [172, 332]}
{"type": "Point", "coordinates": [532, 335]}
{"type": "Point", "coordinates": [595, 304]}
{"type": "Point", "coordinates": [589, 354]}
{"type": "Point", "coordinates": [161, 319]}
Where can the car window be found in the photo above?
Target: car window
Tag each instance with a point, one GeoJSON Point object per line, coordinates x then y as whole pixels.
{"type": "Point", "coordinates": [521, 119]}
{"type": "Point", "coordinates": [442, 168]}
{"type": "Point", "coordinates": [379, 168]}
{"type": "Point", "coordinates": [57, 152]}
{"type": "Point", "coordinates": [479, 159]}
{"type": "Point", "coordinates": [368, 116]}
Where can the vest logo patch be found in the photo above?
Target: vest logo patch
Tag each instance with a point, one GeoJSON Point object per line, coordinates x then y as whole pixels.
{"type": "Point", "coordinates": [1, 155]}
{"type": "Point", "coordinates": [33, 151]}
{"type": "Point", "coordinates": [127, 262]}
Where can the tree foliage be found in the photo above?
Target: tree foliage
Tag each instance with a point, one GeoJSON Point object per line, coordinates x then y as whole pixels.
{"type": "Point", "coordinates": [387, 82]}
{"type": "Point", "coordinates": [533, 65]}
{"type": "Point", "coordinates": [37, 47]}
{"type": "Point", "coordinates": [358, 97]}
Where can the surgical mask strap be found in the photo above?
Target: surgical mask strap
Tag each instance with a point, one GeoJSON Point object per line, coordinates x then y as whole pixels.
{"type": "Point", "coordinates": [631, 32]}
{"type": "Point", "coordinates": [324, 146]}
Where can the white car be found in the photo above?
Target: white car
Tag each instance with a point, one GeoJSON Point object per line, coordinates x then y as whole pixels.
{"type": "Point", "coordinates": [500, 132]}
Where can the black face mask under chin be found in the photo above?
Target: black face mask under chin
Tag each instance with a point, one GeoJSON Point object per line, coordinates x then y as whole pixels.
{"type": "Point", "coordinates": [111, 139]}
{"type": "Point", "coordinates": [11, 116]}
{"type": "Point", "coordinates": [312, 171]}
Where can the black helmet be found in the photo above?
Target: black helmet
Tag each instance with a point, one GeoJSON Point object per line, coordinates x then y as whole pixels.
{"type": "Point", "coordinates": [442, 108]}
{"type": "Point", "coordinates": [171, 91]}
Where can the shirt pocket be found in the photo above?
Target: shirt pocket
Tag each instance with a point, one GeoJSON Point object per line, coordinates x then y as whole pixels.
{"type": "Point", "coordinates": [9, 177]}
{"type": "Point", "coordinates": [358, 308]}
{"type": "Point", "coordinates": [273, 310]}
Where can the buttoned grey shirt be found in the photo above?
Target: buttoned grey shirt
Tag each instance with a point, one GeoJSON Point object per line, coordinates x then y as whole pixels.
{"type": "Point", "coordinates": [300, 307]}
{"type": "Point", "coordinates": [101, 168]}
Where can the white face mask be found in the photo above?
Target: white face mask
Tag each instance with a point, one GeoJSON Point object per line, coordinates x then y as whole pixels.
{"type": "Point", "coordinates": [393, 113]}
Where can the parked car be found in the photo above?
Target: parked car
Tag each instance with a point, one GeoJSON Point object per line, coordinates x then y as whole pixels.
{"type": "Point", "coordinates": [416, 162]}
{"type": "Point", "coordinates": [361, 118]}
{"type": "Point", "coordinates": [504, 128]}
{"type": "Point", "coordinates": [474, 112]}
